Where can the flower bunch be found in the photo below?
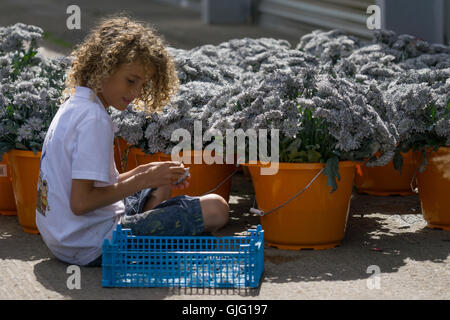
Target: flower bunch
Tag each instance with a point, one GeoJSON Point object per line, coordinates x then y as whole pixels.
{"type": "Point", "coordinates": [417, 97]}
{"type": "Point", "coordinates": [329, 46]}
{"type": "Point", "coordinates": [419, 101]}
{"type": "Point", "coordinates": [405, 80]}
{"type": "Point", "coordinates": [16, 37]}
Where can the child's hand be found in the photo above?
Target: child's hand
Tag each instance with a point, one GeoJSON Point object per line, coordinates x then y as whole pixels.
{"type": "Point", "coordinates": [182, 185]}
{"type": "Point", "coordinates": [161, 173]}
{"type": "Point", "coordinates": [147, 166]}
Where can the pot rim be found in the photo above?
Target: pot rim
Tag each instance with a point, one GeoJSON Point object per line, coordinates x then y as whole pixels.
{"type": "Point", "coordinates": [187, 152]}
{"type": "Point", "coordinates": [139, 151]}
{"type": "Point", "coordinates": [24, 153]}
{"type": "Point", "coordinates": [430, 151]}
{"type": "Point", "coordinates": [445, 149]}
{"type": "Point", "coordinates": [303, 165]}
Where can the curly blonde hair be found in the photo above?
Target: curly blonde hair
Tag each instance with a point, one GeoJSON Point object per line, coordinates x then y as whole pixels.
{"type": "Point", "coordinates": [117, 40]}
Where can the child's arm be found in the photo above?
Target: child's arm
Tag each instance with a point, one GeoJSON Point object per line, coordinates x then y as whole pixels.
{"type": "Point", "coordinates": [139, 169]}
{"type": "Point", "coordinates": [124, 176]}
{"type": "Point", "coordinates": [84, 197]}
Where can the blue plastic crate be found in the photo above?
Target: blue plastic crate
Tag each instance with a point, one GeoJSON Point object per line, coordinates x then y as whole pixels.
{"type": "Point", "coordinates": [150, 261]}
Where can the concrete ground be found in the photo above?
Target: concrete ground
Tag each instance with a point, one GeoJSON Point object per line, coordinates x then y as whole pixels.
{"type": "Point", "coordinates": [388, 232]}
{"type": "Point", "coordinates": [413, 260]}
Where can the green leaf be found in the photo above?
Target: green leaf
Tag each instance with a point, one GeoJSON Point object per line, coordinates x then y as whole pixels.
{"type": "Point", "coordinates": [4, 147]}
{"type": "Point", "coordinates": [398, 161]}
{"type": "Point", "coordinates": [299, 156]}
{"type": "Point", "coordinates": [447, 111]}
{"type": "Point", "coordinates": [332, 170]}
{"type": "Point", "coordinates": [424, 163]}
{"type": "Point", "coordinates": [35, 145]}
{"type": "Point", "coordinates": [10, 110]}
{"type": "Point", "coordinates": [313, 156]}
{"type": "Point", "coordinates": [433, 113]}
{"type": "Point", "coordinates": [20, 146]}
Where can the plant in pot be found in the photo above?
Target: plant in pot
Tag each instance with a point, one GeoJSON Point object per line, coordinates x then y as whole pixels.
{"type": "Point", "coordinates": [11, 43]}
{"type": "Point", "coordinates": [386, 61]}
{"type": "Point", "coordinates": [422, 102]}
{"type": "Point", "coordinates": [325, 124]}
{"type": "Point", "coordinates": [30, 89]}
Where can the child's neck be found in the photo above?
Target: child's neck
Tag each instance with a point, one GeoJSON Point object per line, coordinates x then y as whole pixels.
{"type": "Point", "coordinates": [102, 99]}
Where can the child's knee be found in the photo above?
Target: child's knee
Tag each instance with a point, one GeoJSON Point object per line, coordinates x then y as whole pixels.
{"type": "Point", "coordinates": [215, 211]}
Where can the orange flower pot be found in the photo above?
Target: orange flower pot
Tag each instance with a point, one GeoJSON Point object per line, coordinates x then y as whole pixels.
{"type": "Point", "coordinates": [315, 219]}
{"type": "Point", "coordinates": [120, 147]}
{"type": "Point", "coordinates": [137, 157]}
{"type": "Point", "coordinates": [385, 180]}
{"type": "Point", "coordinates": [7, 201]}
{"type": "Point", "coordinates": [434, 188]}
{"type": "Point", "coordinates": [204, 177]}
{"type": "Point", "coordinates": [25, 174]}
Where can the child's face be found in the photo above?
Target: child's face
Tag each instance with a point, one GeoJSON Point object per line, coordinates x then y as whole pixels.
{"type": "Point", "coordinates": [125, 85]}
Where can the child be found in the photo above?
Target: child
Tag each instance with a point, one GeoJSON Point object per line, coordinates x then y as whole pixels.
{"type": "Point", "coordinates": [84, 197]}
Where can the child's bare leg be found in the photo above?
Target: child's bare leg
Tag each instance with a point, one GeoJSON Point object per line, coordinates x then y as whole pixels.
{"type": "Point", "coordinates": [215, 211]}
{"type": "Point", "coordinates": [156, 197]}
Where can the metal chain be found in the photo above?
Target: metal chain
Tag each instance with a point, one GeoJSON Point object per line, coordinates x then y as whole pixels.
{"type": "Point", "coordinates": [221, 182]}
{"type": "Point", "coordinates": [415, 190]}
{"type": "Point", "coordinates": [120, 156]}
{"type": "Point", "coordinates": [262, 213]}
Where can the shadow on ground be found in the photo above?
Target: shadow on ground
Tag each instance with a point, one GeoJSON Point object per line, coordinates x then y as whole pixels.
{"type": "Point", "coordinates": [387, 239]}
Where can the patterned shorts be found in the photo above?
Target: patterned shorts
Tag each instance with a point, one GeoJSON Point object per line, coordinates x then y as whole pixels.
{"type": "Point", "coordinates": [177, 216]}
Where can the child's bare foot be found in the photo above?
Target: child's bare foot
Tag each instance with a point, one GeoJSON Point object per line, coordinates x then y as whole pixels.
{"type": "Point", "coordinates": [156, 197]}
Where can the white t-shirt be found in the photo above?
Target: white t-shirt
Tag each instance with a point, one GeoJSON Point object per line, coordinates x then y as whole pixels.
{"type": "Point", "coordinates": [78, 145]}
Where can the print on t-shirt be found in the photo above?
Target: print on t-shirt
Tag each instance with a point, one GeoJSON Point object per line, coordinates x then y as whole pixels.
{"type": "Point", "coordinates": [41, 203]}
